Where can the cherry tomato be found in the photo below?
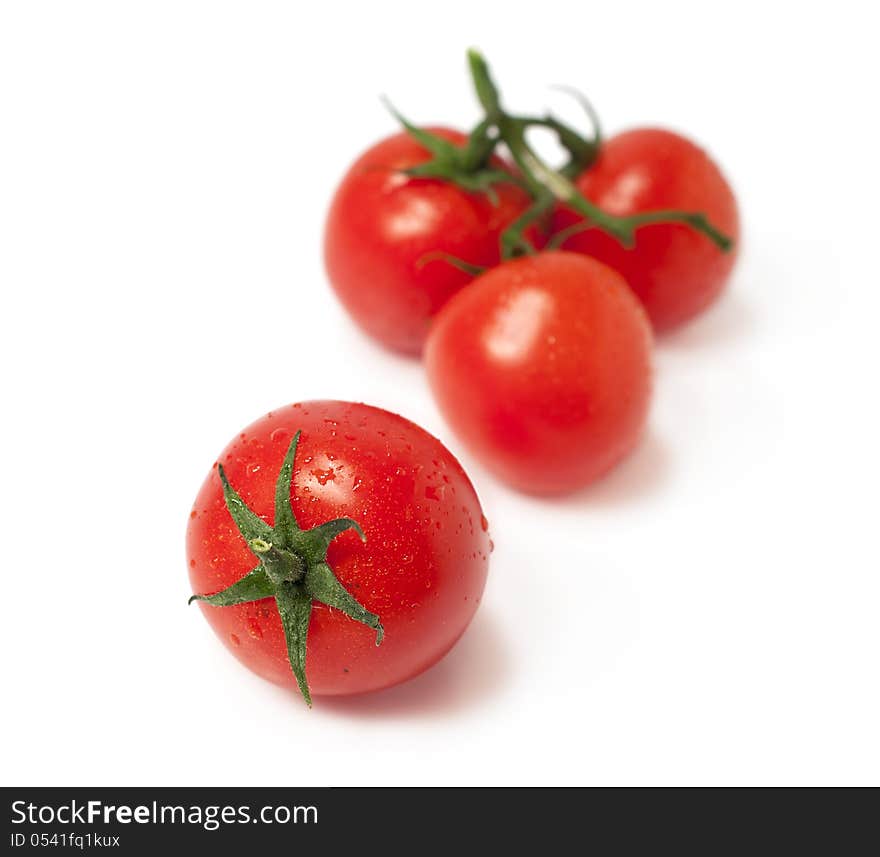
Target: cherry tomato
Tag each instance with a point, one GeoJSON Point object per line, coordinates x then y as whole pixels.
{"type": "Point", "coordinates": [382, 224]}
{"type": "Point", "coordinates": [421, 569]}
{"type": "Point", "coordinates": [543, 368]}
{"type": "Point", "coordinates": [675, 271]}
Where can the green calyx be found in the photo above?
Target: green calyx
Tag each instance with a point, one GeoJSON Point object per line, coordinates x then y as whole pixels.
{"type": "Point", "coordinates": [470, 168]}
{"type": "Point", "coordinates": [292, 568]}
{"type": "Point", "coordinates": [466, 166]}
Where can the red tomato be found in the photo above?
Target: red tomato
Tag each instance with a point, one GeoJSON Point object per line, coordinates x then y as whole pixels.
{"type": "Point", "coordinates": [421, 569]}
{"type": "Point", "coordinates": [675, 271]}
{"type": "Point", "coordinates": [381, 225]}
{"type": "Point", "coordinates": [543, 368]}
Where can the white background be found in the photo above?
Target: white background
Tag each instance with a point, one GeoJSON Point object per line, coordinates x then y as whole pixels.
{"type": "Point", "coordinates": [708, 614]}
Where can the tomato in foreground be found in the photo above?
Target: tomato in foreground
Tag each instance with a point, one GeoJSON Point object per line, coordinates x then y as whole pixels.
{"type": "Point", "coordinates": [412, 585]}
{"type": "Point", "coordinates": [543, 368]}
{"type": "Point", "coordinates": [382, 224]}
{"type": "Point", "coordinates": [675, 271]}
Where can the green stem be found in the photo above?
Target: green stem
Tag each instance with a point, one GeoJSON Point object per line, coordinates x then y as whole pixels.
{"type": "Point", "coordinates": [542, 178]}
{"type": "Point", "coordinates": [481, 143]}
{"type": "Point", "coordinates": [461, 264]}
{"type": "Point", "coordinates": [280, 564]}
{"type": "Point", "coordinates": [581, 156]}
{"type": "Point", "coordinates": [696, 220]}
{"type": "Point", "coordinates": [513, 239]}
{"type": "Point", "coordinates": [487, 92]}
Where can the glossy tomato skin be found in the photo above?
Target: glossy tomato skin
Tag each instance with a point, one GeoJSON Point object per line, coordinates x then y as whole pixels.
{"type": "Point", "coordinates": [381, 224]}
{"type": "Point", "coordinates": [543, 368]}
{"type": "Point", "coordinates": [422, 568]}
{"type": "Point", "coordinates": [675, 271]}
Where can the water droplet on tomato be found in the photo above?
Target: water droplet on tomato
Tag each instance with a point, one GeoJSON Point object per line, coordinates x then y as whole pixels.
{"type": "Point", "coordinates": [254, 468]}
{"type": "Point", "coordinates": [324, 476]}
{"type": "Point", "coordinates": [491, 545]}
{"type": "Point", "coordinates": [279, 434]}
{"type": "Point", "coordinates": [254, 629]}
{"type": "Point", "coordinates": [484, 523]}
{"type": "Point", "coordinates": [234, 640]}
{"type": "Point", "coordinates": [192, 563]}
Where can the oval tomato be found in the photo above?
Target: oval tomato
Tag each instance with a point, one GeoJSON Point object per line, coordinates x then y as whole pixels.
{"type": "Point", "coordinates": [421, 569]}
{"type": "Point", "coordinates": [675, 271]}
{"type": "Point", "coordinates": [382, 224]}
{"type": "Point", "coordinates": [543, 368]}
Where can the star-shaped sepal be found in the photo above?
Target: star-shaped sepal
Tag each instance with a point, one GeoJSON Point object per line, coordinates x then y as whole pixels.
{"type": "Point", "coordinates": [292, 568]}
